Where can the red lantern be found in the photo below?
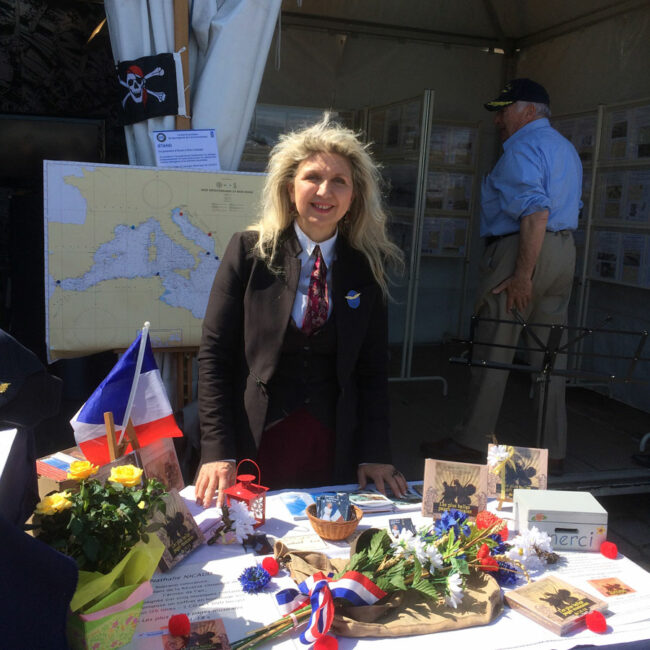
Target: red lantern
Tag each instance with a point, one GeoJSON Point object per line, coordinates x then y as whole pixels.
{"type": "Point", "coordinates": [252, 494]}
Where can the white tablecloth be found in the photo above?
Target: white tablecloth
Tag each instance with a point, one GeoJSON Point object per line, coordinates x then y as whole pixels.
{"type": "Point", "coordinates": [207, 580]}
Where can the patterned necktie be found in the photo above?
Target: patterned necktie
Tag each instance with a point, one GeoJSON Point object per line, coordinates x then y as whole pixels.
{"type": "Point", "coordinates": [317, 296]}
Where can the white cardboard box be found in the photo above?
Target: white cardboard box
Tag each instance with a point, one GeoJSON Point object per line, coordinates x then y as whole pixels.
{"type": "Point", "coordinates": [575, 521]}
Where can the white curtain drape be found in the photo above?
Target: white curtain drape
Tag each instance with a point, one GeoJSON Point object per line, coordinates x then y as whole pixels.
{"type": "Point", "coordinates": [228, 45]}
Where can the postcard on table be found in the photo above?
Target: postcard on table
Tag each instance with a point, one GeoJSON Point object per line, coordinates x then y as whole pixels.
{"type": "Point", "coordinates": [447, 485]}
{"type": "Point", "coordinates": [555, 604]}
{"type": "Point", "coordinates": [609, 587]}
{"type": "Point", "coordinates": [524, 467]}
{"type": "Point", "coordinates": [371, 501]}
{"type": "Point", "coordinates": [396, 526]}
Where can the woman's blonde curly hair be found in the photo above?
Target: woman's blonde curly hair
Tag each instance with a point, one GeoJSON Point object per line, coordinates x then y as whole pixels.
{"type": "Point", "coordinates": [364, 226]}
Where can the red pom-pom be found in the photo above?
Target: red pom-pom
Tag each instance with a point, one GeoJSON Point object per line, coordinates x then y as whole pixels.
{"type": "Point", "coordinates": [609, 549]}
{"type": "Point", "coordinates": [483, 551]}
{"type": "Point", "coordinates": [596, 622]}
{"type": "Point", "coordinates": [271, 565]}
{"type": "Point", "coordinates": [179, 625]}
{"type": "Point", "coordinates": [326, 642]}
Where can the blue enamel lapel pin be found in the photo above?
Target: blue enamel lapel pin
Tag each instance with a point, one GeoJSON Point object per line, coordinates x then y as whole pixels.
{"type": "Point", "coordinates": [353, 298]}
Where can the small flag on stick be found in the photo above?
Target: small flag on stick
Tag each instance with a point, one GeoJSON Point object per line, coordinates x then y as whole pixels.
{"type": "Point", "coordinates": [150, 410]}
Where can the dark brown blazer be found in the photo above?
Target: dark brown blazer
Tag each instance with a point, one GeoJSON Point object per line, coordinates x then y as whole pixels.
{"type": "Point", "coordinates": [248, 312]}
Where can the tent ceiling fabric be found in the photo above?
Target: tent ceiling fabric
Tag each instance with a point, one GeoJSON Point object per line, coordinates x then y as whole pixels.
{"type": "Point", "coordinates": [489, 22]}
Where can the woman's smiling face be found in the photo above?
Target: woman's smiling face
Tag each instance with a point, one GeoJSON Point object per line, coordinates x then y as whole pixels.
{"type": "Point", "coordinates": [322, 193]}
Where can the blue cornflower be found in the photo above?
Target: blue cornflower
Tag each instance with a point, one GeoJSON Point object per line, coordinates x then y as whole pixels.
{"type": "Point", "coordinates": [501, 546]}
{"type": "Point", "coordinates": [452, 519]}
{"type": "Point", "coordinates": [507, 575]}
{"type": "Point", "coordinates": [254, 579]}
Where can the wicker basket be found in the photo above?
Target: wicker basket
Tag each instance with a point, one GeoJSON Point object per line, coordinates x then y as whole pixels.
{"type": "Point", "coordinates": [334, 530]}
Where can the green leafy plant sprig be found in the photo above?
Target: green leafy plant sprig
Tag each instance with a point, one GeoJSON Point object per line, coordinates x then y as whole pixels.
{"type": "Point", "coordinates": [98, 524]}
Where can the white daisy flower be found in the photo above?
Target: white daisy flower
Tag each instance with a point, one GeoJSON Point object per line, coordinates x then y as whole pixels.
{"type": "Point", "coordinates": [524, 548]}
{"type": "Point", "coordinates": [455, 587]}
{"type": "Point", "coordinates": [433, 556]}
{"type": "Point", "coordinates": [243, 520]}
{"type": "Point", "coordinates": [403, 544]}
{"type": "Point", "coordinates": [497, 454]}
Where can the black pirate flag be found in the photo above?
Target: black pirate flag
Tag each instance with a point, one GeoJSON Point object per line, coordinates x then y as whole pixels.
{"type": "Point", "coordinates": [150, 87]}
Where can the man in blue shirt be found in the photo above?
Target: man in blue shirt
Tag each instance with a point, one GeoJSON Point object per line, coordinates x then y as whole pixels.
{"type": "Point", "coordinates": [529, 210]}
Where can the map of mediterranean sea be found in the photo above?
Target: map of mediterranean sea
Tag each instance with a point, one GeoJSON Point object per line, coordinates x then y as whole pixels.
{"type": "Point", "coordinates": [125, 245]}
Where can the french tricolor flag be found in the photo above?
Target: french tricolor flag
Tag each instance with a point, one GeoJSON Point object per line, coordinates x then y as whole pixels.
{"type": "Point", "coordinates": [150, 410]}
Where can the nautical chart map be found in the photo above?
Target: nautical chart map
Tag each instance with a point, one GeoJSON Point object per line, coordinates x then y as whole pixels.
{"type": "Point", "coordinates": [124, 245]}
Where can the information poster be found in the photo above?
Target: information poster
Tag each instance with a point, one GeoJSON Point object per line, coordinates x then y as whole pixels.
{"type": "Point", "coordinates": [641, 140]}
{"type": "Point", "coordinates": [411, 127]}
{"type": "Point", "coordinates": [581, 132]}
{"type": "Point", "coordinates": [628, 134]}
{"type": "Point", "coordinates": [452, 145]}
{"type": "Point", "coordinates": [391, 133]}
{"type": "Point", "coordinates": [270, 121]}
{"type": "Point", "coordinates": [611, 187]}
{"type": "Point", "coordinates": [438, 145]}
{"type": "Point", "coordinates": [637, 197]}
{"type": "Point", "coordinates": [624, 195]}
{"type": "Point", "coordinates": [606, 256]}
{"type": "Point", "coordinates": [189, 149]}
{"type": "Point", "coordinates": [633, 257]}
{"type": "Point", "coordinates": [444, 236]}
{"type": "Point", "coordinates": [617, 135]}
{"type": "Point", "coordinates": [449, 191]}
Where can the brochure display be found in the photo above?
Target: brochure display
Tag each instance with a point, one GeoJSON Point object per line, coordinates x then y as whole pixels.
{"type": "Point", "coordinates": [430, 167]}
{"type": "Point", "coordinates": [270, 121]}
{"type": "Point", "coordinates": [613, 238]}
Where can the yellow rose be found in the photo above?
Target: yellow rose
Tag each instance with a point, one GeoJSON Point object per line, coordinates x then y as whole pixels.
{"type": "Point", "coordinates": [81, 469]}
{"type": "Point", "coordinates": [53, 503]}
{"type": "Point", "coordinates": [127, 475]}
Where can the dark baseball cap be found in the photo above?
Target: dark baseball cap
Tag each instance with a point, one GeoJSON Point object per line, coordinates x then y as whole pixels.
{"type": "Point", "coordinates": [525, 90]}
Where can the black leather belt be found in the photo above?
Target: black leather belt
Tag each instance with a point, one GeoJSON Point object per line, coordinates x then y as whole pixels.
{"type": "Point", "coordinates": [494, 238]}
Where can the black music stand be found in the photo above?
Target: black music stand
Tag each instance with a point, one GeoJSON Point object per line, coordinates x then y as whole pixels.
{"type": "Point", "coordinates": [553, 347]}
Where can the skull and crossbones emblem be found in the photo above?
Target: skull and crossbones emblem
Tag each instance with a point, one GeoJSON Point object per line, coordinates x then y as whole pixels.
{"type": "Point", "coordinates": [136, 84]}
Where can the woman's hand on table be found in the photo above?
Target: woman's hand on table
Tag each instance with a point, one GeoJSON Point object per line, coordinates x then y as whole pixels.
{"type": "Point", "coordinates": [214, 476]}
{"type": "Point", "coordinates": [382, 475]}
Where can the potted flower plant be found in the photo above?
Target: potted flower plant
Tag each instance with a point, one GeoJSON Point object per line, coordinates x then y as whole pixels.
{"type": "Point", "coordinates": [105, 528]}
